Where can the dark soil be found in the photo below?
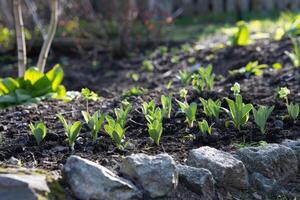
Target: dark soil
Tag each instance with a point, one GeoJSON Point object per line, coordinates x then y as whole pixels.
{"type": "Point", "coordinates": [177, 139]}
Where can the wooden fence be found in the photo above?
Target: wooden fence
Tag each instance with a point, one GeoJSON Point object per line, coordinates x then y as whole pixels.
{"type": "Point", "coordinates": [202, 7]}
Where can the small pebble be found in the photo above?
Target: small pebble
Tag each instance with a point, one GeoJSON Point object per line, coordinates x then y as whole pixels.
{"type": "Point", "coordinates": [14, 161]}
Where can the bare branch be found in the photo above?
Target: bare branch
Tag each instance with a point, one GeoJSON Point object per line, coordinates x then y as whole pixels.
{"type": "Point", "coordinates": [51, 33]}
{"type": "Point", "coordinates": [20, 36]}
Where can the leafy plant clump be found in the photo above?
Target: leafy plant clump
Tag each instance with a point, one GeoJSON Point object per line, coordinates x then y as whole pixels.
{"type": "Point", "coordinates": [204, 79]}
{"type": "Point", "coordinates": [115, 130]}
{"type": "Point", "coordinates": [295, 54]}
{"type": "Point", "coordinates": [33, 87]}
{"type": "Point", "coordinates": [155, 125]}
{"type": "Point", "coordinates": [185, 77]}
{"type": "Point", "coordinates": [293, 108]}
{"type": "Point", "coordinates": [242, 36]}
{"type": "Point", "coordinates": [238, 111]}
{"type": "Point", "coordinates": [39, 131]}
{"type": "Point", "coordinates": [94, 122]}
{"type": "Point", "coordinates": [204, 127]}
{"type": "Point", "coordinates": [189, 110]}
{"type": "Point", "coordinates": [166, 102]}
{"type": "Point", "coordinates": [88, 95]}
{"type": "Point", "coordinates": [211, 108]}
{"type": "Point", "coordinates": [252, 68]}
{"type": "Point", "coordinates": [261, 116]}
{"type": "Point", "coordinates": [71, 130]}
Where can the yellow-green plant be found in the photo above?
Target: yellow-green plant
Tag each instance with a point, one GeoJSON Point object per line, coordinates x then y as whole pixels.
{"type": "Point", "coordinates": [189, 110]}
{"type": "Point", "coordinates": [122, 114]}
{"type": "Point", "coordinates": [166, 102]}
{"type": "Point", "coordinates": [293, 108]}
{"type": "Point", "coordinates": [71, 130]}
{"type": "Point", "coordinates": [94, 122]}
{"type": "Point", "coordinates": [115, 130]}
{"type": "Point", "coordinates": [88, 95]}
{"type": "Point", "coordinates": [242, 36]}
{"type": "Point", "coordinates": [39, 131]}
{"type": "Point", "coordinates": [238, 111]}
{"type": "Point", "coordinates": [295, 54]}
{"type": "Point", "coordinates": [261, 116]}
{"type": "Point", "coordinates": [185, 77]}
{"type": "Point", "coordinates": [204, 127]}
{"type": "Point", "coordinates": [211, 108]}
{"type": "Point", "coordinates": [155, 126]}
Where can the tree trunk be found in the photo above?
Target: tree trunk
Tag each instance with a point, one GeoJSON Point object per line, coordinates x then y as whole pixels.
{"type": "Point", "coordinates": [20, 36]}
{"type": "Point", "coordinates": [51, 33]}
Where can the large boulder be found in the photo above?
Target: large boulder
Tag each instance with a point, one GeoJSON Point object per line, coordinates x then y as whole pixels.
{"type": "Point", "coordinates": [227, 170]}
{"type": "Point", "coordinates": [156, 174]}
{"type": "Point", "coordinates": [22, 186]}
{"type": "Point", "coordinates": [273, 161]}
{"type": "Point", "coordinates": [295, 146]}
{"type": "Point", "coordinates": [89, 180]}
{"type": "Point", "coordinates": [198, 180]}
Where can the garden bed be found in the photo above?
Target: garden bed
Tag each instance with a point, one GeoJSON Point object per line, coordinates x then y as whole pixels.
{"type": "Point", "coordinates": [177, 138]}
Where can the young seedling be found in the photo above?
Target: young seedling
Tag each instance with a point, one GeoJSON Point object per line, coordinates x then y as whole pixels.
{"type": "Point", "coordinates": [94, 122]}
{"type": "Point", "coordinates": [211, 108]}
{"type": "Point", "coordinates": [242, 36]}
{"type": "Point", "coordinates": [189, 110]}
{"type": "Point", "coordinates": [183, 93]}
{"type": "Point", "coordinates": [148, 108]}
{"type": "Point", "coordinates": [155, 126]}
{"type": "Point", "coordinates": [71, 130]}
{"type": "Point", "coordinates": [204, 127]}
{"type": "Point", "coordinates": [166, 102]}
{"type": "Point", "coordinates": [147, 66]}
{"type": "Point", "coordinates": [295, 54]}
{"type": "Point", "coordinates": [39, 131]}
{"type": "Point", "coordinates": [185, 77]}
{"type": "Point", "coordinates": [238, 111]}
{"type": "Point", "coordinates": [203, 79]}
{"type": "Point", "coordinates": [293, 109]}
{"type": "Point", "coordinates": [115, 130]}
{"type": "Point", "coordinates": [122, 113]}
{"type": "Point", "coordinates": [261, 116]}
{"type": "Point", "coordinates": [236, 89]}
{"type": "Point", "coordinates": [88, 95]}
{"type": "Point", "coordinates": [251, 68]}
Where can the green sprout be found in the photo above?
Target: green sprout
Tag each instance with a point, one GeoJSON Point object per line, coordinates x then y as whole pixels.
{"type": "Point", "coordinates": [115, 130]}
{"type": "Point", "coordinates": [39, 131]}
{"type": "Point", "coordinates": [204, 127]}
{"type": "Point", "coordinates": [238, 111]}
{"type": "Point", "coordinates": [94, 122]}
{"type": "Point", "coordinates": [88, 95]}
{"type": "Point", "coordinates": [211, 108]}
{"type": "Point", "coordinates": [71, 130]}
{"type": "Point", "coordinates": [261, 116]}
{"type": "Point", "coordinates": [166, 102]}
{"type": "Point", "coordinates": [185, 77]}
{"type": "Point", "coordinates": [293, 109]}
{"type": "Point", "coordinates": [189, 110]}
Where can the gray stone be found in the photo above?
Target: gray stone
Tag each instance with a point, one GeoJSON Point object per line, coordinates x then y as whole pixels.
{"type": "Point", "coordinates": [294, 145]}
{"type": "Point", "coordinates": [272, 161]}
{"type": "Point", "coordinates": [89, 180]}
{"type": "Point", "coordinates": [227, 170]}
{"type": "Point", "coordinates": [19, 186]}
{"type": "Point", "coordinates": [156, 174]}
{"type": "Point", "coordinates": [14, 161]}
{"type": "Point", "coordinates": [198, 180]}
{"type": "Point", "coordinates": [262, 183]}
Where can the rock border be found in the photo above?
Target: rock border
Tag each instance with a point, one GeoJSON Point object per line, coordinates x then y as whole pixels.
{"type": "Point", "coordinates": [260, 172]}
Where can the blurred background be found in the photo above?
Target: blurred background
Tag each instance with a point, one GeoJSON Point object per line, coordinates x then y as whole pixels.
{"type": "Point", "coordinates": [105, 35]}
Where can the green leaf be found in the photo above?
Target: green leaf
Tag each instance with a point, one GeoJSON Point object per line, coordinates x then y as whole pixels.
{"type": "Point", "coordinates": [55, 75]}
{"type": "Point", "coordinates": [33, 75]}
